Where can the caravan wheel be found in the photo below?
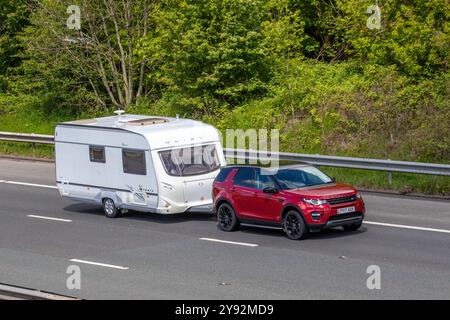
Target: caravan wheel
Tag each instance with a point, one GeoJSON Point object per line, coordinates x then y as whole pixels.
{"type": "Point", "coordinates": [110, 208]}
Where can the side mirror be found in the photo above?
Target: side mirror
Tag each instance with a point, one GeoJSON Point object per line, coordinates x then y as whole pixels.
{"type": "Point", "coordinates": [270, 190]}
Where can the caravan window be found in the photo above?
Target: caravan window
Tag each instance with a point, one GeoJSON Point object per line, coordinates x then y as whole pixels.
{"type": "Point", "coordinates": [191, 160]}
{"type": "Point", "coordinates": [134, 162]}
{"type": "Point", "coordinates": [97, 154]}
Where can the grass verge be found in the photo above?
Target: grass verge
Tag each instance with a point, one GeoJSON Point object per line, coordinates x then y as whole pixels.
{"type": "Point", "coordinates": [27, 150]}
{"type": "Point", "coordinates": [401, 182]}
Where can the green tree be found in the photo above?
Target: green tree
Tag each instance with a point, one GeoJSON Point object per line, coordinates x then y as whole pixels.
{"type": "Point", "coordinates": [96, 65]}
{"type": "Point", "coordinates": [14, 16]}
{"type": "Point", "coordinates": [414, 35]}
{"type": "Point", "coordinates": [209, 53]}
{"type": "Point", "coordinates": [283, 36]}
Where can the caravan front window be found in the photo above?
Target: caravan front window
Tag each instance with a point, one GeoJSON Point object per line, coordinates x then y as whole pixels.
{"type": "Point", "coordinates": [191, 160]}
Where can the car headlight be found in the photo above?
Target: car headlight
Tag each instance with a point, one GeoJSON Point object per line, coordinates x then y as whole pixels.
{"type": "Point", "coordinates": [315, 202]}
{"type": "Point", "coordinates": [358, 196]}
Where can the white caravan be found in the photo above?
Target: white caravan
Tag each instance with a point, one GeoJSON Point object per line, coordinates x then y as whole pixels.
{"type": "Point", "coordinates": [142, 163]}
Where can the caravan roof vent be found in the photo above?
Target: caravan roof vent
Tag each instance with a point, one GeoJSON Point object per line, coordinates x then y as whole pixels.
{"type": "Point", "coordinates": [146, 121]}
{"type": "Point", "coordinates": [119, 112]}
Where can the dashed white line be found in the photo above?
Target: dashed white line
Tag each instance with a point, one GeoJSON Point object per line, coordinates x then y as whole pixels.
{"type": "Point", "coordinates": [406, 227]}
{"type": "Point", "coordinates": [28, 184]}
{"type": "Point", "coordinates": [230, 242]}
{"type": "Point", "coordinates": [99, 264]}
{"type": "Point", "coordinates": [48, 218]}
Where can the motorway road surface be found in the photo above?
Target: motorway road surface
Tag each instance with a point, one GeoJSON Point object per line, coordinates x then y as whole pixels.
{"type": "Point", "coordinates": [147, 256]}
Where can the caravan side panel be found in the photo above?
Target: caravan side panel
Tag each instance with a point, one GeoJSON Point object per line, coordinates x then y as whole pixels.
{"type": "Point", "coordinates": [80, 178]}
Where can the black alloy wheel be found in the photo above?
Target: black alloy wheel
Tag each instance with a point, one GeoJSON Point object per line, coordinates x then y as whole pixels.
{"type": "Point", "coordinates": [226, 218]}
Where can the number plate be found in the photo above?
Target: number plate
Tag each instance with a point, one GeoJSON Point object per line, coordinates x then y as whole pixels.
{"type": "Point", "coordinates": [345, 210]}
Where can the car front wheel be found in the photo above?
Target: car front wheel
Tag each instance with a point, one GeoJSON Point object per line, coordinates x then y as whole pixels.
{"type": "Point", "coordinates": [226, 218]}
{"type": "Point", "coordinates": [294, 226]}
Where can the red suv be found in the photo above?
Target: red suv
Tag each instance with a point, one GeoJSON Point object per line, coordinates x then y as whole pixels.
{"type": "Point", "coordinates": [298, 199]}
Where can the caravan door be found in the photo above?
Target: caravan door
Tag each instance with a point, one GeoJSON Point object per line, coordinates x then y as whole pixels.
{"type": "Point", "coordinates": [139, 177]}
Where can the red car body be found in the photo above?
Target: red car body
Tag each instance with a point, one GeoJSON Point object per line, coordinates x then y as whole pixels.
{"type": "Point", "coordinates": [263, 207]}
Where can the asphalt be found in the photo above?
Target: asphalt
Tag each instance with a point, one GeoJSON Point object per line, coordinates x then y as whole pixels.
{"type": "Point", "coordinates": [163, 257]}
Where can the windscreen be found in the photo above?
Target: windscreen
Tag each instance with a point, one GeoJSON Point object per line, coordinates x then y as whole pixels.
{"type": "Point", "coordinates": [191, 160]}
{"type": "Point", "coordinates": [294, 178]}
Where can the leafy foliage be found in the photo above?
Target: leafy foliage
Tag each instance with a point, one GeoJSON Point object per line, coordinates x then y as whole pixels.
{"type": "Point", "coordinates": [311, 68]}
{"type": "Point", "coordinates": [414, 35]}
{"type": "Point", "coordinates": [209, 53]}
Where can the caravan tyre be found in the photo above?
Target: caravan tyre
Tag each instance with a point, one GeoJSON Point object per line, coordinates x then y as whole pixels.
{"type": "Point", "coordinates": [110, 208]}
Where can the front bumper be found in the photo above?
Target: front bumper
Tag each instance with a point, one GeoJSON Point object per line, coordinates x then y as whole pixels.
{"type": "Point", "coordinates": [326, 215]}
{"type": "Point", "coordinates": [337, 221]}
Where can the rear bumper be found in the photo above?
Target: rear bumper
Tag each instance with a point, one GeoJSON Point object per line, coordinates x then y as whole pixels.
{"type": "Point", "coordinates": [337, 221]}
{"type": "Point", "coordinates": [168, 206]}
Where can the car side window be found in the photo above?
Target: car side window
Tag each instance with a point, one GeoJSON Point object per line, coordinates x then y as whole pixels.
{"type": "Point", "coordinates": [264, 181]}
{"type": "Point", "coordinates": [245, 177]}
{"type": "Point", "coordinates": [224, 172]}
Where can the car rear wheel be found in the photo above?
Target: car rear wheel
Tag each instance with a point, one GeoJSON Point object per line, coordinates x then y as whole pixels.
{"type": "Point", "coordinates": [294, 226]}
{"type": "Point", "coordinates": [226, 218]}
{"type": "Point", "coordinates": [109, 208]}
{"type": "Point", "coordinates": [352, 227]}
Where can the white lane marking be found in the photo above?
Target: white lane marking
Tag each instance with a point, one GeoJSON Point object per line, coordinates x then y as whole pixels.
{"type": "Point", "coordinates": [406, 227]}
{"type": "Point", "coordinates": [48, 218]}
{"type": "Point", "coordinates": [230, 242]}
{"type": "Point", "coordinates": [28, 184]}
{"type": "Point", "coordinates": [99, 264]}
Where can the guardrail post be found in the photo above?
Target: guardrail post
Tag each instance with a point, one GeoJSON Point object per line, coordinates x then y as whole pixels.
{"type": "Point", "coordinates": [389, 175]}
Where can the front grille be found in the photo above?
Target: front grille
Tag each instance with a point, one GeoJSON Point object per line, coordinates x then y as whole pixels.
{"type": "Point", "coordinates": [345, 216]}
{"type": "Point", "coordinates": [335, 201]}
